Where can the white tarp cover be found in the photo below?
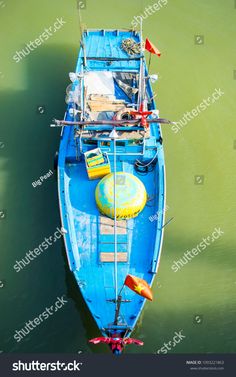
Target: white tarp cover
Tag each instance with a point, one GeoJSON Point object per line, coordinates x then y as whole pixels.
{"type": "Point", "coordinates": [99, 82]}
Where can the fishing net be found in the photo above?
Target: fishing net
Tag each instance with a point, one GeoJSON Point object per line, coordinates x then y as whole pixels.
{"type": "Point", "coordinates": [130, 46]}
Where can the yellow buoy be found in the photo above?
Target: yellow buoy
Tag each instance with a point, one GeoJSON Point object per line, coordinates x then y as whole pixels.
{"type": "Point", "coordinates": [131, 195]}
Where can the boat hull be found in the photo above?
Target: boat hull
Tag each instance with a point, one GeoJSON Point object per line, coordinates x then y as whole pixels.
{"type": "Point", "coordinates": [141, 238]}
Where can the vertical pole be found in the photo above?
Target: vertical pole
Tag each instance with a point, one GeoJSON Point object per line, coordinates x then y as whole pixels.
{"type": "Point", "coordinates": [140, 94]}
{"type": "Point", "coordinates": [149, 63]}
{"type": "Point", "coordinates": [121, 289]}
{"type": "Point", "coordinates": [113, 135]}
{"type": "Point", "coordinates": [115, 223]}
{"type": "Point", "coordinates": [85, 57]}
{"type": "Point", "coordinates": [141, 34]}
{"type": "Point", "coordinates": [82, 35]}
{"type": "Point", "coordinates": [118, 304]}
{"type": "Point", "coordinates": [82, 93]}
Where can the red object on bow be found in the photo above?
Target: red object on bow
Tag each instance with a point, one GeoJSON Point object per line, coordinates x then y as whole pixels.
{"type": "Point", "coordinates": [100, 340]}
{"type": "Point", "coordinates": [133, 341]}
{"type": "Point", "coordinates": [149, 46]}
{"type": "Point", "coordinates": [139, 286]}
{"type": "Point", "coordinates": [116, 343]}
{"type": "Point", "coordinates": [143, 115]}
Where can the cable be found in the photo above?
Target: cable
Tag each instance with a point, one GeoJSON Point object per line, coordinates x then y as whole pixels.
{"type": "Point", "coordinates": [145, 168]}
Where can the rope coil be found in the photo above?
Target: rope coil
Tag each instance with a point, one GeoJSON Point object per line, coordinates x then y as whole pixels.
{"type": "Point", "coordinates": [131, 47]}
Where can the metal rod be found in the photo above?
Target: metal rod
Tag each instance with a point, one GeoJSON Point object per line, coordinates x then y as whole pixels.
{"type": "Point", "coordinates": [167, 222]}
{"type": "Point", "coordinates": [112, 59]}
{"type": "Point", "coordinates": [140, 94]}
{"type": "Point", "coordinates": [115, 222]}
{"type": "Point", "coordinates": [82, 36]}
{"type": "Point", "coordinates": [85, 58]}
{"type": "Point", "coordinates": [82, 94]}
{"type": "Point", "coordinates": [150, 59]}
{"type": "Point", "coordinates": [117, 313]}
{"type": "Point", "coordinates": [111, 123]}
{"type": "Point", "coordinates": [121, 289]}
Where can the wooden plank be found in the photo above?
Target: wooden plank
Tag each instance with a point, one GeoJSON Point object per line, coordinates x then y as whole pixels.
{"type": "Point", "coordinates": [105, 97]}
{"type": "Point", "coordinates": [97, 106]}
{"type": "Point", "coordinates": [110, 257]}
{"type": "Point", "coordinates": [109, 229]}
{"type": "Point", "coordinates": [107, 226]}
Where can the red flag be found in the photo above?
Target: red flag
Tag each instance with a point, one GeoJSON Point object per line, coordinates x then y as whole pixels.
{"type": "Point", "coordinates": [139, 286]}
{"type": "Point", "coordinates": [149, 46]}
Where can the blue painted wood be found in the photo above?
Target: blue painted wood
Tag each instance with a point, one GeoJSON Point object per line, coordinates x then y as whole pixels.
{"type": "Point", "coordinates": [109, 238]}
{"type": "Point", "coordinates": [80, 216]}
{"type": "Point", "coordinates": [109, 247]}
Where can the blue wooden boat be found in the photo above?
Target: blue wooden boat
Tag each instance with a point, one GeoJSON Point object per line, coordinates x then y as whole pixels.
{"type": "Point", "coordinates": [111, 126]}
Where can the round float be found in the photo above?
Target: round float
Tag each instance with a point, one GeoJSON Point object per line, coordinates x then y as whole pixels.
{"type": "Point", "coordinates": [131, 196]}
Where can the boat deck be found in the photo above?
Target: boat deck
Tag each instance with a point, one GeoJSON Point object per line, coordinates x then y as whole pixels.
{"type": "Point", "coordinates": [104, 44]}
{"type": "Point", "coordinates": [94, 276]}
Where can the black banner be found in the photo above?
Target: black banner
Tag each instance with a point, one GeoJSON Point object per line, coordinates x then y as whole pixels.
{"type": "Point", "coordinates": [124, 365]}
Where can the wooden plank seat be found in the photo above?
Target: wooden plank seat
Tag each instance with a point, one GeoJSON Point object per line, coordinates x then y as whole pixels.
{"type": "Point", "coordinates": [110, 257]}
{"type": "Point", "coordinates": [107, 226]}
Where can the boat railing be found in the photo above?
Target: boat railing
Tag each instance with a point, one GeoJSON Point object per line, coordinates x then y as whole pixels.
{"type": "Point", "coordinates": [160, 221]}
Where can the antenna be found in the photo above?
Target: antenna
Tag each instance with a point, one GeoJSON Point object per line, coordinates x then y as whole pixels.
{"type": "Point", "coordinates": [141, 96]}
{"type": "Point", "coordinates": [141, 65]}
{"type": "Point", "coordinates": [80, 18]}
{"type": "Point", "coordinates": [82, 32]}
